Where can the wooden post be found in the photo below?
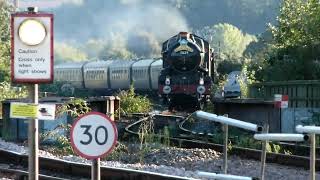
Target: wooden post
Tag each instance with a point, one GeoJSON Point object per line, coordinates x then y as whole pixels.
{"type": "Point", "coordinates": [225, 147]}
{"type": "Point", "coordinates": [33, 165]}
{"type": "Point", "coordinates": [312, 156]}
{"type": "Point", "coordinates": [264, 152]}
{"type": "Point", "coordinates": [95, 169]}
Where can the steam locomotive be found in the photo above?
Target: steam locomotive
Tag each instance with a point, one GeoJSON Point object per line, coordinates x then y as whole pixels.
{"type": "Point", "coordinates": [182, 76]}
{"type": "Point", "coordinates": [186, 75]}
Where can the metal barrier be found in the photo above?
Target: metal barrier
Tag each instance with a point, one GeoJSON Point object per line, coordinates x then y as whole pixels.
{"type": "Point", "coordinates": [225, 121]}
{"type": "Point", "coordinates": [225, 176]}
{"type": "Point", "coordinates": [266, 137]}
{"type": "Point", "coordinates": [312, 131]}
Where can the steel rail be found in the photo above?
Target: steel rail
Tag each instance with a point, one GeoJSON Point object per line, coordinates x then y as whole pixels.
{"type": "Point", "coordinates": [82, 170]}
{"type": "Point", "coordinates": [283, 159]}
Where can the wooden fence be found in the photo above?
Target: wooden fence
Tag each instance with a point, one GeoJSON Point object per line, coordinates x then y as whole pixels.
{"type": "Point", "coordinates": [302, 93]}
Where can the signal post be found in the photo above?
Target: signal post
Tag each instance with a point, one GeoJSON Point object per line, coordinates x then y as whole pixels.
{"type": "Point", "coordinates": [32, 63]}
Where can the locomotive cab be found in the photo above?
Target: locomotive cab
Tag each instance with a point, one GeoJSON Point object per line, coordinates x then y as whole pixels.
{"type": "Point", "coordinates": [186, 74]}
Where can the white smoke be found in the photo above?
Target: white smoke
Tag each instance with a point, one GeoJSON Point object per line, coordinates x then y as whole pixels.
{"type": "Point", "coordinates": [44, 4]}
{"type": "Point", "coordinates": [141, 23]}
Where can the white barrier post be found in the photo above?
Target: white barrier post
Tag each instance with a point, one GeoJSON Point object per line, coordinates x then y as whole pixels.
{"type": "Point", "coordinates": [228, 121]}
{"type": "Point", "coordinates": [224, 176]}
{"type": "Point", "coordinates": [264, 153]}
{"type": "Point", "coordinates": [225, 147]}
{"type": "Point", "coordinates": [312, 131]}
{"type": "Point", "coordinates": [312, 156]}
{"type": "Point", "coordinates": [280, 137]}
{"type": "Point", "coordinates": [225, 121]}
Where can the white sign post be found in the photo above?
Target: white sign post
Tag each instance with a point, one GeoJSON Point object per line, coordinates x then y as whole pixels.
{"type": "Point", "coordinates": [93, 135]}
{"type": "Point", "coordinates": [32, 62]}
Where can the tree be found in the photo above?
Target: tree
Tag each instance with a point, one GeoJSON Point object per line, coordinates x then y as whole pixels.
{"type": "Point", "coordinates": [5, 10]}
{"type": "Point", "coordinates": [64, 52]}
{"type": "Point", "coordinates": [229, 39]}
{"type": "Point", "coordinates": [229, 42]}
{"type": "Point", "coordinates": [297, 41]}
{"type": "Point", "coordinates": [116, 48]}
{"type": "Point", "coordinates": [298, 24]}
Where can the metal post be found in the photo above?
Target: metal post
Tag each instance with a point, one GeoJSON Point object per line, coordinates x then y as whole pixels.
{"type": "Point", "coordinates": [95, 170]}
{"type": "Point", "coordinates": [225, 147]}
{"type": "Point", "coordinates": [33, 137]}
{"type": "Point", "coordinates": [16, 4]}
{"type": "Point", "coordinates": [264, 153]}
{"type": "Point", "coordinates": [312, 156]}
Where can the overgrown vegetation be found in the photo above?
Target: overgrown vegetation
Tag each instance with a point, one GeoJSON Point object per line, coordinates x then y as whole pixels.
{"type": "Point", "coordinates": [5, 10]}
{"type": "Point", "coordinates": [146, 137]}
{"type": "Point", "coordinates": [75, 107]}
{"type": "Point", "coordinates": [9, 92]}
{"type": "Point", "coordinates": [60, 136]}
{"type": "Point", "coordinates": [292, 52]}
{"type": "Point", "coordinates": [133, 103]}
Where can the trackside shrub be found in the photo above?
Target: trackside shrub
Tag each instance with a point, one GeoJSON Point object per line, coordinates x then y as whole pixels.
{"type": "Point", "coordinates": [133, 103]}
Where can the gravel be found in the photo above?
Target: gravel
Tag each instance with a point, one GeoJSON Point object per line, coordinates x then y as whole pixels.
{"type": "Point", "coordinates": [185, 162]}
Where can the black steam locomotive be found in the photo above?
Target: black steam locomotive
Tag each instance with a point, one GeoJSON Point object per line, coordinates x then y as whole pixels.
{"type": "Point", "coordinates": [186, 80]}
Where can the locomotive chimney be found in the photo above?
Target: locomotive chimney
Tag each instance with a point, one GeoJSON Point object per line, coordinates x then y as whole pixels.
{"type": "Point", "coordinates": [183, 34]}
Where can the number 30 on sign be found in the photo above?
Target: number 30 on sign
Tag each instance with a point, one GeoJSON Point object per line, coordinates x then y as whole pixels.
{"type": "Point", "coordinates": [93, 135]}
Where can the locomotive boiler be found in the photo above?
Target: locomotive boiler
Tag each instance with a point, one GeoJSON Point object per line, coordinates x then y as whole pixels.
{"type": "Point", "coordinates": [186, 76]}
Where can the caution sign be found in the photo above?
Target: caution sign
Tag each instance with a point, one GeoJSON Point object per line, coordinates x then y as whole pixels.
{"type": "Point", "coordinates": [23, 110]}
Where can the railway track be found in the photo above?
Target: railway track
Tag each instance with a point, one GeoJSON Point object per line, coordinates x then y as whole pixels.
{"type": "Point", "coordinates": [22, 174]}
{"type": "Point", "coordinates": [185, 142]}
{"type": "Point", "coordinates": [72, 169]}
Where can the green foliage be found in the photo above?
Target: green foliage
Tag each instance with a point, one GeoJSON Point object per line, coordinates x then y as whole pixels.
{"type": "Point", "coordinates": [93, 47]}
{"type": "Point", "coordinates": [117, 153]}
{"type": "Point", "coordinates": [246, 78]}
{"type": "Point", "coordinates": [298, 24]}
{"type": "Point", "coordinates": [232, 41]}
{"type": "Point", "coordinates": [275, 148]}
{"type": "Point", "coordinates": [229, 43]}
{"type": "Point", "coordinates": [248, 142]}
{"type": "Point", "coordinates": [7, 91]}
{"type": "Point", "coordinates": [209, 107]}
{"type": "Point", "coordinates": [64, 52]}
{"type": "Point", "coordinates": [146, 137]}
{"type": "Point", "coordinates": [296, 49]}
{"type": "Point", "coordinates": [249, 15]}
{"type": "Point", "coordinates": [227, 38]}
{"type": "Point", "coordinates": [227, 66]}
{"type": "Point", "coordinates": [116, 48]}
{"type": "Point", "coordinates": [166, 136]}
{"type": "Point", "coordinates": [218, 87]}
{"type": "Point", "coordinates": [62, 142]}
{"type": "Point", "coordinates": [5, 10]}
{"type": "Point", "coordinates": [132, 103]}
{"type": "Point", "coordinates": [54, 87]}
{"type": "Point", "coordinates": [75, 107]}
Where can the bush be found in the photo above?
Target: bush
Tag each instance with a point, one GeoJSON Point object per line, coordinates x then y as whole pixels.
{"type": "Point", "coordinates": [8, 92]}
{"type": "Point", "coordinates": [132, 103]}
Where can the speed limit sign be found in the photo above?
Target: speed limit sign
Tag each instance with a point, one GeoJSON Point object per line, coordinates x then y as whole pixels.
{"type": "Point", "coordinates": [93, 135]}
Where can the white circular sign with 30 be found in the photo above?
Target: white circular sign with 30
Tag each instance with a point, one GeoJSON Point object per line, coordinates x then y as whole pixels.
{"type": "Point", "coordinates": [93, 135]}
